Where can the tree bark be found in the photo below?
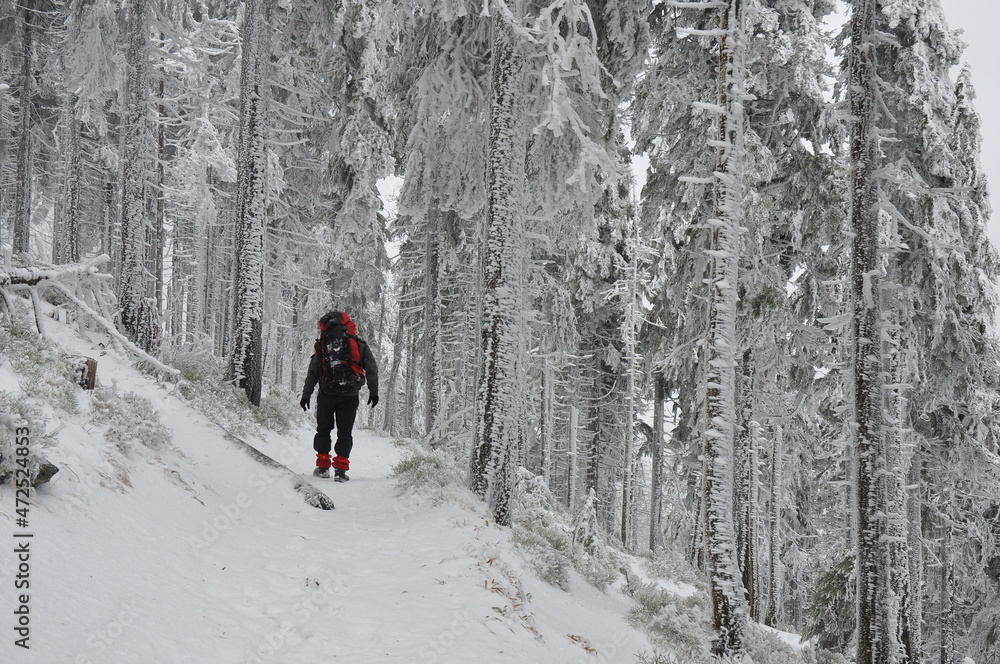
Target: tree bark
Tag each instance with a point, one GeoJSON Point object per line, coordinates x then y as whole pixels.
{"type": "Point", "coordinates": [655, 488]}
{"type": "Point", "coordinates": [498, 404]}
{"type": "Point", "coordinates": [745, 483]}
{"type": "Point", "coordinates": [246, 364]}
{"type": "Point", "coordinates": [432, 320]}
{"type": "Point", "coordinates": [133, 288]}
{"type": "Point", "coordinates": [774, 574]}
{"type": "Point", "coordinates": [874, 645]}
{"type": "Point", "coordinates": [728, 606]}
{"type": "Point", "coordinates": [22, 194]}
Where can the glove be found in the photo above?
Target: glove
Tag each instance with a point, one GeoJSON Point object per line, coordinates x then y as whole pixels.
{"type": "Point", "coordinates": [373, 399]}
{"type": "Point", "coordinates": [304, 403]}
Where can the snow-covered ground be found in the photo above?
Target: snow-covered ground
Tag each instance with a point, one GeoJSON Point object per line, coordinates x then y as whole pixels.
{"type": "Point", "coordinates": [194, 553]}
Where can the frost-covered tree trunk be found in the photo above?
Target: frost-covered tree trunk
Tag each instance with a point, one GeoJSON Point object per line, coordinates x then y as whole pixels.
{"type": "Point", "coordinates": [432, 321]}
{"type": "Point", "coordinates": [948, 653]}
{"type": "Point", "coordinates": [773, 609]}
{"type": "Point", "coordinates": [656, 452]}
{"type": "Point", "coordinates": [547, 421]}
{"type": "Point", "coordinates": [498, 403]}
{"type": "Point", "coordinates": [745, 483]}
{"type": "Point", "coordinates": [22, 192]}
{"type": "Point", "coordinates": [409, 414]}
{"type": "Point", "coordinates": [133, 286]}
{"type": "Point", "coordinates": [630, 334]}
{"type": "Point", "coordinates": [572, 461]}
{"type": "Point", "coordinates": [915, 559]}
{"type": "Point", "coordinates": [874, 646]}
{"type": "Point", "coordinates": [251, 204]}
{"type": "Point", "coordinates": [158, 237]}
{"type": "Point", "coordinates": [391, 421]}
{"type": "Point", "coordinates": [728, 606]}
{"type": "Point", "coordinates": [66, 240]}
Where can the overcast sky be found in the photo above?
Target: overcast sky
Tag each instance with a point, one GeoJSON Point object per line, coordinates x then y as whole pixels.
{"type": "Point", "coordinates": [979, 18]}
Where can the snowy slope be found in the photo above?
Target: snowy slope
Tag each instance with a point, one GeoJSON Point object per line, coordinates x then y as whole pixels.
{"type": "Point", "coordinates": [193, 552]}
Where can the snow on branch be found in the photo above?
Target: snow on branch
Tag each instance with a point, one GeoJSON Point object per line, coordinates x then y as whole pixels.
{"type": "Point", "coordinates": [113, 331]}
{"type": "Point", "coordinates": [34, 275]}
{"type": "Point", "coordinates": [67, 279]}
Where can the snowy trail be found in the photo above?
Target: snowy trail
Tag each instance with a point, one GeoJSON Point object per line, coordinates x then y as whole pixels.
{"type": "Point", "coordinates": [199, 554]}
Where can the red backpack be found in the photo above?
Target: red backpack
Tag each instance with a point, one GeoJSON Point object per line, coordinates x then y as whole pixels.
{"type": "Point", "coordinates": [340, 354]}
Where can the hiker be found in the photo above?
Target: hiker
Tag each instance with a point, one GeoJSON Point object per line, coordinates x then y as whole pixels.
{"type": "Point", "coordinates": [341, 364]}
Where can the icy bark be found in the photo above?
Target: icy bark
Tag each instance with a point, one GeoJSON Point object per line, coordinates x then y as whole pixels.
{"type": "Point", "coordinates": [745, 482]}
{"type": "Point", "coordinates": [133, 287]}
{"type": "Point", "coordinates": [630, 339]}
{"type": "Point", "coordinates": [251, 204]}
{"type": "Point", "coordinates": [655, 487]}
{"type": "Point", "coordinates": [498, 403]}
{"type": "Point", "coordinates": [873, 643]}
{"type": "Point", "coordinates": [773, 608]}
{"type": "Point", "coordinates": [66, 234]}
{"type": "Point", "coordinates": [22, 193]}
{"type": "Point", "coordinates": [728, 607]}
{"type": "Point", "coordinates": [433, 331]}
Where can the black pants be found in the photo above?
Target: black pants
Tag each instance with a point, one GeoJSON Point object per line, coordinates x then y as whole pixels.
{"type": "Point", "coordinates": [339, 409]}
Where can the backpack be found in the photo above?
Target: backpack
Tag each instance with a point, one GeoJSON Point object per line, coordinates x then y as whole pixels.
{"type": "Point", "coordinates": [340, 354]}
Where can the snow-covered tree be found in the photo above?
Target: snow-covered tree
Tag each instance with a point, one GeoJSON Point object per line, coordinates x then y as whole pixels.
{"type": "Point", "coordinates": [251, 173]}
{"type": "Point", "coordinates": [136, 313]}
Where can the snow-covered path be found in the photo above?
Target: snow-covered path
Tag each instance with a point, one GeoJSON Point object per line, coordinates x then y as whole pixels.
{"type": "Point", "coordinates": [197, 553]}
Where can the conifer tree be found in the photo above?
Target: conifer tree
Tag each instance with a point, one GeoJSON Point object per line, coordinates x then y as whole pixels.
{"type": "Point", "coordinates": [136, 313]}
{"type": "Point", "coordinates": [248, 310]}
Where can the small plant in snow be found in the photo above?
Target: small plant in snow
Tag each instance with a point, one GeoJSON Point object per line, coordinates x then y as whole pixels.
{"type": "Point", "coordinates": [429, 472]}
{"type": "Point", "coordinates": [595, 560]}
{"type": "Point", "coordinates": [15, 412]}
{"type": "Point", "coordinates": [129, 418]}
{"type": "Point", "coordinates": [228, 406]}
{"type": "Point", "coordinates": [545, 541]}
{"type": "Point", "coordinates": [553, 543]}
{"type": "Point", "coordinates": [766, 648]}
{"type": "Point", "coordinates": [682, 625]}
{"type": "Point", "coordinates": [195, 360]}
{"type": "Point", "coordinates": [48, 371]}
{"type": "Point", "coordinates": [669, 563]}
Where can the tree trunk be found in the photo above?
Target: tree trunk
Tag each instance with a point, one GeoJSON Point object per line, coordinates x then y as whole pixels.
{"type": "Point", "coordinates": [574, 435]}
{"type": "Point", "coordinates": [655, 489]}
{"type": "Point", "coordinates": [774, 573]}
{"type": "Point", "coordinates": [133, 286]}
{"type": "Point", "coordinates": [391, 421]}
{"type": "Point", "coordinates": [948, 652]}
{"type": "Point", "coordinates": [409, 414]}
{"type": "Point", "coordinates": [158, 238]}
{"type": "Point", "coordinates": [66, 240]}
{"type": "Point", "coordinates": [874, 646]}
{"type": "Point", "coordinates": [745, 484]}
{"type": "Point", "coordinates": [498, 403]}
{"type": "Point", "coordinates": [432, 320]}
{"type": "Point", "coordinates": [22, 194]}
{"type": "Point", "coordinates": [728, 607]}
{"type": "Point", "coordinates": [251, 204]}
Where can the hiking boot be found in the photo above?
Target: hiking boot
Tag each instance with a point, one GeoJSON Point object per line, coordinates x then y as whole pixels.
{"type": "Point", "coordinates": [340, 475]}
{"type": "Point", "coordinates": [322, 472]}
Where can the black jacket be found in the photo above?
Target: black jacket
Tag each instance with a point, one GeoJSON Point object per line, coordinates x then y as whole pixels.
{"type": "Point", "coordinates": [367, 363]}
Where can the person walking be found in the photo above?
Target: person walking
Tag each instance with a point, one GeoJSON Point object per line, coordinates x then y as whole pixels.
{"type": "Point", "coordinates": [341, 363]}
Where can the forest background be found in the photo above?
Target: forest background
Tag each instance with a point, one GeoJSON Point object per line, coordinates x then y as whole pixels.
{"type": "Point", "coordinates": [779, 363]}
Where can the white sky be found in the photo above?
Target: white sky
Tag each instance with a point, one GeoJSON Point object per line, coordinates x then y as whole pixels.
{"type": "Point", "coordinates": [979, 18]}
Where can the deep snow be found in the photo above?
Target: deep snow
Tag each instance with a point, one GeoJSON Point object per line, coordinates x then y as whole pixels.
{"type": "Point", "coordinates": [196, 553]}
